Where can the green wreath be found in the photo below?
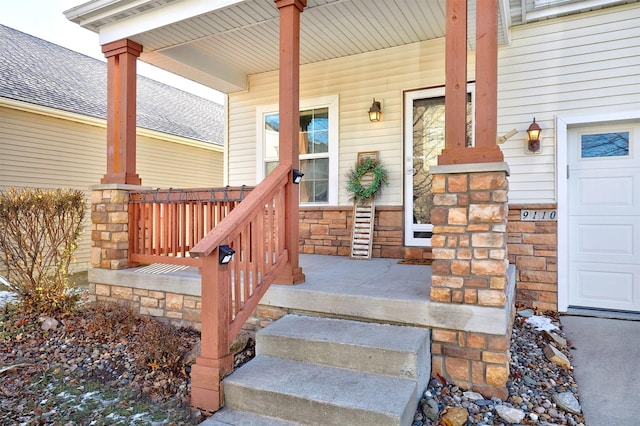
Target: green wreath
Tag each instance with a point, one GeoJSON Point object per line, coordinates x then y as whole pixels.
{"type": "Point", "coordinates": [354, 184]}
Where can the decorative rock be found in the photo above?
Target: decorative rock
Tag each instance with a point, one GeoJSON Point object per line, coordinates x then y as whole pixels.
{"type": "Point", "coordinates": [430, 409]}
{"type": "Point", "coordinates": [567, 402]}
{"type": "Point", "coordinates": [49, 324]}
{"type": "Point", "coordinates": [560, 342]}
{"type": "Point", "coordinates": [454, 416]}
{"type": "Point", "coordinates": [556, 356]}
{"type": "Point", "coordinates": [190, 357]}
{"type": "Point", "coordinates": [240, 342]}
{"type": "Point", "coordinates": [473, 396]}
{"type": "Point", "coordinates": [525, 313]}
{"type": "Point", "coordinates": [533, 381]}
{"type": "Point", "coordinates": [511, 415]}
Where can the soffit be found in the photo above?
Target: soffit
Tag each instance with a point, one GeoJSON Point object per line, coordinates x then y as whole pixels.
{"type": "Point", "coordinates": [221, 47]}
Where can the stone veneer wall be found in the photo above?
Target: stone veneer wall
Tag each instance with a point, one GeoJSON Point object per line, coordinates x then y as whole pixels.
{"type": "Point", "coordinates": [109, 226]}
{"type": "Point", "coordinates": [180, 310]}
{"type": "Point", "coordinates": [470, 268]}
{"type": "Point", "coordinates": [533, 248]}
{"type": "Point", "coordinates": [327, 230]}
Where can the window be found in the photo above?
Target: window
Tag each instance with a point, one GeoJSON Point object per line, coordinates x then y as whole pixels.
{"type": "Point", "coordinates": [317, 146]}
{"type": "Point", "coordinates": [604, 145]}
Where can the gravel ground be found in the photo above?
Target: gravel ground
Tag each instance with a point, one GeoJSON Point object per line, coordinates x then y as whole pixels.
{"type": "Point", "coordinates": [541, 392]}
{"type": "Point", "coordinates": [89, 371]}
{"type": "Point", "coordinates": [95, 368]}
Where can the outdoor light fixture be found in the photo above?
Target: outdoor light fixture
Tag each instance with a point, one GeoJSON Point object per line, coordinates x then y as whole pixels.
{"type": "Point", "coordinates": [225, 253]}
{"type": "Point", "coordinates": [375, 112]}
{"type": "Point", "coordinates": [533, 135]}
{"type": "Point", "coordinates": [297, 176]}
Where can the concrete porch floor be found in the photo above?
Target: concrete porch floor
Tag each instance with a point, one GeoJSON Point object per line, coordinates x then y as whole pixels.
{"type": "Point", "coordinates": [377, 290]}
{"type": "Point", "coordinates": [382, 290]}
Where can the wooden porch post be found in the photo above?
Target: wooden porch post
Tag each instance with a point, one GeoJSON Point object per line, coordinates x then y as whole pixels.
{"type": "Point", "coordinates": [486, 149]}
{"type": "Point", "coordinates": [121, 112]}
{"type": "Point", "coordinates": [470, 186]}
{"type": "Point", "coordinates": [289, 110]}
{"type": "Point", "coordinates": [215, 361]}
{"type": "Point", "coordinates": [455, 101]}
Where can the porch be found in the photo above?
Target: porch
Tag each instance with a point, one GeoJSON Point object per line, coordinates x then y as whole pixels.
{"type": "Point", "coordinates": [378, 290]}
{"type": "Point", "coordinates": [470, 303]}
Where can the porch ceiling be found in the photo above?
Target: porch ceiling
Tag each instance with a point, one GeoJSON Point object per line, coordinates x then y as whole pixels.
{"type": "Point", "coordinates": [219, 43]}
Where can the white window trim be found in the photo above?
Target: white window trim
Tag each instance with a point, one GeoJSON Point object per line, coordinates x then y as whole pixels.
{"type": "Point", "coordinates": [332, 102]}
{"type": "Point", "coordinates": [543, 9]}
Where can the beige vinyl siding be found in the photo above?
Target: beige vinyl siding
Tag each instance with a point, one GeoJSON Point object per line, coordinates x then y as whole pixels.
{"type": "Point", "coordinates": [584, 64]}
{"type": "Point", "coordinates": [356, 80]}
{"type": "Point", "coordinates": [45, 151]}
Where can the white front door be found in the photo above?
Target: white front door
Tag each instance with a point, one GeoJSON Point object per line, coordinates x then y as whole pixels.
{"type": "Point", "coordinates": [423, 142]}
{"type": "Point", "coordinates": [604, 216]}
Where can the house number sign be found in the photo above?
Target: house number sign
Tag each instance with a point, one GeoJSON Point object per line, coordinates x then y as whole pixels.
{"type": "Point", "coordinates": [539, 215]}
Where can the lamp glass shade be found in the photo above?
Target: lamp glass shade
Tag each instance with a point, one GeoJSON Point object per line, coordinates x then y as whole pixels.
{"type": "Point", "coordinates": [375, 112]}
{"type": "Point", "coordinates": [533, 133]}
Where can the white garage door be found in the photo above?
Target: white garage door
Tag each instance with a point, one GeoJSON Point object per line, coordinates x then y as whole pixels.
{"type": "Point", "coordinates": [604, 217]}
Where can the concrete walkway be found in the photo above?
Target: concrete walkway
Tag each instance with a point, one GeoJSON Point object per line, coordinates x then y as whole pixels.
{"type": "Point", "coordinates": [606, 360]}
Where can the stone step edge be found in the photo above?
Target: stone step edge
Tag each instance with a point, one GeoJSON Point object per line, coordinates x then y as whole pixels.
{"type": "Point", "coordinates": [245, 390]}
{"type": "Point", "coordinates": [289, 338]}
{"type": "Point", "coordinates": [232, 417]}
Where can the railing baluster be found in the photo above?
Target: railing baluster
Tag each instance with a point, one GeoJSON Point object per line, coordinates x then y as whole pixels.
{"type": "Point", "coordinates": [168, 218]}
{"type": "Point", "coordinates": [279, 228]}
{"type": "Point", "coordinates": [166, 224]}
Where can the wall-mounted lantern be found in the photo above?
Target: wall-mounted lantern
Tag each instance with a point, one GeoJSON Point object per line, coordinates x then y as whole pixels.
{"type": "Point", "coordinates": [533, 137]}
{"type": "Point", "coordinates": [375, 112]}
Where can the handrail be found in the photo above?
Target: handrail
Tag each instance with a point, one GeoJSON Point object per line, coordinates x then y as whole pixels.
{"type": "Point", "coordinates": [165, 223]}
{"type": "Point", "coordinates": [255, 229]}
{"type": "Point", "coordinates": [241, 215]}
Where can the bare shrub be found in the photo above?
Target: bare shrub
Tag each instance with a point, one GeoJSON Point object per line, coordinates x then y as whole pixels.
{"type": "Point", "coordinates": [108, 319]}
{"type": "Point", "coordinates": [39, 231]}
{"type": "Point", "coordinates": [158, 345]}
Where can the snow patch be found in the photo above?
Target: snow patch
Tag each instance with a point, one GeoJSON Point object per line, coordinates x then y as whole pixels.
{"type": "Point", "coordinates": [7, 297]}
{"type": "Point", "coordinates": [541, 323]}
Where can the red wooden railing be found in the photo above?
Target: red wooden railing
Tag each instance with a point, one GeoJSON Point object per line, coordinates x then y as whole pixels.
{"type": "Point", "coordinates": [255, 229]}
{"type": "Point", "coordinates": [165, 224]}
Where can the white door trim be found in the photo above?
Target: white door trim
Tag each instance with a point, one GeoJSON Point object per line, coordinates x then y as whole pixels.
{"type": "Point", "coordinates": [407, 165]}
{"type": "Point", "coordinates": [562, 125]}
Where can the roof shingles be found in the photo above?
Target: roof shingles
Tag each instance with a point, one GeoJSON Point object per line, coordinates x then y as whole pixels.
{"type": "Point", "coordinates": [39, 72]}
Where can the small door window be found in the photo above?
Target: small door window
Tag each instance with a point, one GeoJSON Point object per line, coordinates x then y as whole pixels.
{"type": "Point", "coordinates": [595, 145]}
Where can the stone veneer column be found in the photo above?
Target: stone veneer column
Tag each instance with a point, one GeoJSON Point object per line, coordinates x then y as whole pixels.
{"type": "Point", "coordinates": [110, 225]}
{"type": "Point", "coordinates": [470, 268]}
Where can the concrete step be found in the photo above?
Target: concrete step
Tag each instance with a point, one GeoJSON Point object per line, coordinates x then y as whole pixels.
{"type": "Point", "coordinates": [230, 417]}
{"type": "Point", "coordinates": [320, 395]}
{"type": "Point", "coordinates": [328, 371]}
{"type": "Point", "coordinates": [369, 347]}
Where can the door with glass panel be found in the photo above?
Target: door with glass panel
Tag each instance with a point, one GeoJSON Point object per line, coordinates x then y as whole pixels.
{"type": "Point", "coordinates": [603, 180]}
{"type": "Point", "coordinates": [424, 140]}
